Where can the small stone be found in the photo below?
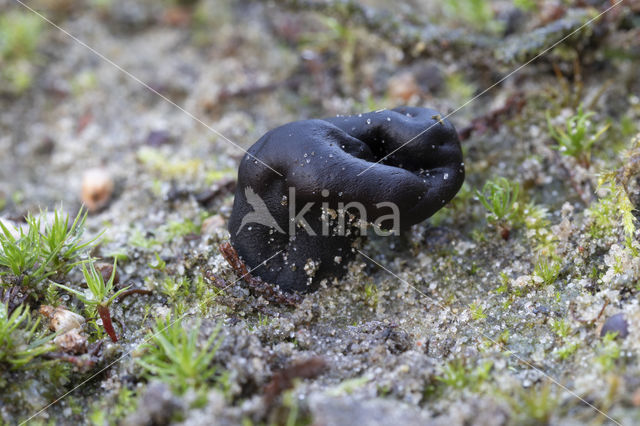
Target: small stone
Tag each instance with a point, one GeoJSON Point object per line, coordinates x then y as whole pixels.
{"type": "Point", "coordinates": [157, 138]}
{"type": "Point", "coordinates": [157, 406]}
{"type": "Point", "coordinates": [97, 188]}
{"type": "Point", "coordinates": [615, 324]}
{"type": "Point", "coordinates": [62, 319]}
{"type": "Point", "coordinates": [73, 341]}
{"type": "Point", "coordinates": [403, 87]}
{"type": "Point", "coordinates": [212, 224]}
{"type": "Point", "coordinates": [106, 269]}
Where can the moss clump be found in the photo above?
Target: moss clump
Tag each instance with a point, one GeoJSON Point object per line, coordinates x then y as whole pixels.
{"type": "Point", "coordinates": [31, 254]}
{"type": "Point", "coordinates": [176, 358]}
{"type": "Point", "coordinates": [19, 37]}
{"type": "Point", "coordinates": [20, 340]}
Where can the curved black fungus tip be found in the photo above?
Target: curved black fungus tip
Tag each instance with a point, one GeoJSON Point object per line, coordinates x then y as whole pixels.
{"type": "Point", "coordinates": [321, 159]}
{"type": "Point", "coordinates": [615, 324]}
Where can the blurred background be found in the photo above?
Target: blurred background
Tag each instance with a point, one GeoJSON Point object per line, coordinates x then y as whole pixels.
{"type": "Point", "coordinates": [537, 250]}
{"type": "Point", "coordinates": [243, 67]}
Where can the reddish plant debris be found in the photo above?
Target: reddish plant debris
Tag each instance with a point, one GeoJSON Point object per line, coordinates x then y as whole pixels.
{"type": "Point", "coordinates": [216, 280]}
{"type": "Point", "coordinates": [283, 379]}
{"type": "Point", "coordinates": [494, 119]}
{"type": "Point", "coordinates": [259, 287]}
{"type": "Point", "coordinates": [133, 291]}
{"type": "Point", "coordinates": [572, 311]}
{"type": "Point", "coordinates": [84, 362]}
{"type": "Point", "coordinates": [177, 16]}
{"type": "Point", "coordinates": [84, 120]}
{"type": "Point", "coordinates": [105, 315]}
{"type": "Point", "coordinates": [72, 342]}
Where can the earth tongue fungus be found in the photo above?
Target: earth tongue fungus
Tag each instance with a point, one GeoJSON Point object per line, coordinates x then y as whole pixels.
{"type": "Point", "coordinates": [339, 179]}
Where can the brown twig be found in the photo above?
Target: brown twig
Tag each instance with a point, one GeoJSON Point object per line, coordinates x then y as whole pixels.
{"type": "Point", "coordinates": [133, 291]}
{"type": "Point", "coordinates": [84, 362]}
{"type": "Point", "coordinates": [592, 321]}
{"type": "Point", "coordinates": [264, 289]}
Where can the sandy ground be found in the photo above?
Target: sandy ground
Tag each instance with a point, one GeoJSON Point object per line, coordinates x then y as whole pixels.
{"type": "Point", "coordinates": [460, 328]}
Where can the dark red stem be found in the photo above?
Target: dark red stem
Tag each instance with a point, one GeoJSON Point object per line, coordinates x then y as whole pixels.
{"type": "Point", "coordinates": [104, 313]}
{"type": "Point", "coordinates": [133, 291]}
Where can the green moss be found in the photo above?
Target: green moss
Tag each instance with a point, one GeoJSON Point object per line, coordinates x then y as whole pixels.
{"type": "Point", "coordinates": [20, 340]}
{"type": "Point", "coordinates": [371, 294]}
{"type": "Point", "coordinates": [213, 176]}
{"type": "Point", "coordinates": [458, 87]}
{"type": "Point", "coordinates": [176, 358]}
{"type": "Point", "coordinates": [157, 162]}
{"type": "Point", "coordinates": [19, 36]}
{"type": "Point", "coordinates": [547, 269]}
{"type": "Point", "coordinates": [458, 375]}
{"type": "Point", "coordinates": [160, 264]}
{"type": "Point", "coordinates": [611, 211]}
{"type": "Point", "coordinates": [176, 229]}
{"type": "Point", "coordinates": [501, 198]}
{"type": "Point", "coordinates": [28, 256]}
{"type": "Point", "coordinates": [540, 235]}
{"type": "Point", "coordinates": [566, 351]}
{"type": "Point", "coordinates": [504, 337]}
{"type": "Point", "coordinates": [140, 240]}
{"type": "Point", "coordinates": [174, 288]}
{"type": "Point", "coordinates": [295, 416]}
{"type": "Point", "coordinates": [477, 13]}
{"type": "Point", "coordinates": [103, 413]}
{"type": "Point", "coordinates": [477, 312]}
{"type": "Point", "coordinates": [100, 293]}
{"type": "Point", "coordinates": [533, 406]}
{"type": "Point", "coordinates": [608, 352]}
{"type": "Point", "coordinates": [561, 328]}
{"type": "Point", "coordinates": [526, 5]}
{"type": "Point", "coordinates": [83, 82]}
{"type": "Point", "coordinates": [578, 136]}
{"type": "Point", "coordinates": [99, 297]}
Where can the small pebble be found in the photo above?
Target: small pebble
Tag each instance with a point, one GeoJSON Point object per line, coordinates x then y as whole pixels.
{"type": "Point", "coordinates": [97, 188]}
{"type": "Point", "coordinates": [73, 341]}
{"type": "Point", "coordinates": [157, 138]}
{"type": "Point", "coordinates": [615, 324]}
{"type": "Point", "coordinates": [403, 87]}
{"type": "Point", "coordinates": [62, 319]}
{"type": "Point", "coordinates": [212, 224]}
{"type": "Point", "coordinates": [106, 269]}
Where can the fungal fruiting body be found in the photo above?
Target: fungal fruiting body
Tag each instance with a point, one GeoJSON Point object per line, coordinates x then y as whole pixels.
{"type": "Point", "coordinates": [338, 176]}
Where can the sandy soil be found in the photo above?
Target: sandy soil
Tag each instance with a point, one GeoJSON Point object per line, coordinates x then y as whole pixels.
{"type": "Point", "coordinates": [461, 327]}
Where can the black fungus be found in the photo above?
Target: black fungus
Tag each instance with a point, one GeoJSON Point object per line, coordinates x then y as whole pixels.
{"type": "Point", "coordinates": [615, 324]}
{"type": "Point", "coordinates": [327, 164]}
